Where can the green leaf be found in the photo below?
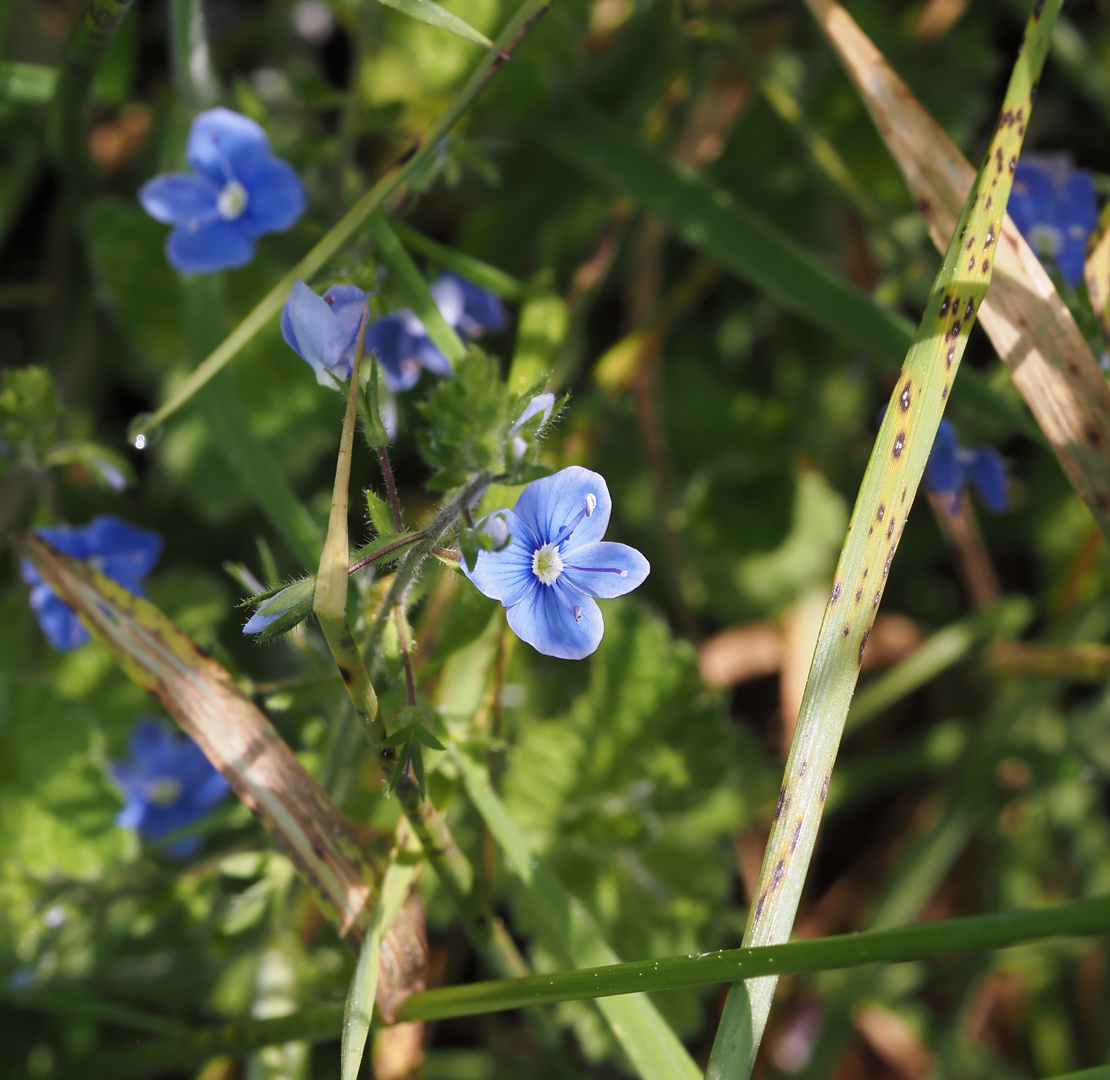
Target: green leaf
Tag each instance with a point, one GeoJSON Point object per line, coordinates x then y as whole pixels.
{"type": "Point", "coordinates": [652, 1047]}
{"type": "Point", "coordinates": [481, 273]}
{"type": "Point", "coordinates": [27, 84]}
{"type": "Point", "coordinates": [712, 221]}
{"type": "Point", "coordinates": [412, 287]}
{"type": "Point", "coordinates": [427, 11]}
{"type": "Point", "coordinates": [400, 875]}
{"type": "Point", "coordinates": [381, 516]}
{"type": "Point", "coordinates": [934, 938]}
{"type": "Point", "coordinates": [542, 329]}
{"type": "Point", "coordinates": [745, 244]}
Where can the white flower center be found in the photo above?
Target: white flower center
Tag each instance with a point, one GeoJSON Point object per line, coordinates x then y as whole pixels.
{"type": "Point", "coordinates": [1046, 240]}
{"type": "Point", "coordinates": [232, 200]}
{"type": "Point", "coordinates": [547, 564]}
{"type": "Point", "coordinates": [164, 791]}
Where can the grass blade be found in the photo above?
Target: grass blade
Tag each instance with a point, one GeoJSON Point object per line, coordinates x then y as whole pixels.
{"type": "Point", "coordinates": [234, 735]}
{"type": "Point", "coordinates": [374, 199]}
{"type": "Point", "coordinates": [1006, 618]}
{"type": "Point", "coordinates": [481, 273]}
{"type": "Point", "coordinates": [886, 495]}
{"type": "Point", "coordinates": [88, 40]}
{"type": "Point", "coordinates": [929, 939]}
{"type": "Point", "coordinates": [1030, 326]}
{"type": "Point", "coordinates": [400, 875]}
{"type": "Point", "coordinates": [647, 1039]}
{"type": "Point", "coordinates": [413, 288]}
{"type": "Point", "coordinates": [710, 220]}
{"type": "Point", "coordinates": [427, 11]}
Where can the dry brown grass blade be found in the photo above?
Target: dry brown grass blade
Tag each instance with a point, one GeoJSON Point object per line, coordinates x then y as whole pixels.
{"type": "Point", "coordinates": [1030, 326]}
{"type": "Point", "coordinates": [239, 741]}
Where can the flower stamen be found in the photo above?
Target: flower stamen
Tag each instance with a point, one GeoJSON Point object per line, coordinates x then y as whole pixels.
{"type": "Point", "coordinates": [232, 201]}
{"type": "Point", "coordinates": [547, 564]}
{"type": "Point", "coordinates": [586, 511]}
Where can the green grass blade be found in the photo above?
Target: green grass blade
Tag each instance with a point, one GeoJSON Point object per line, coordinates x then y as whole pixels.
{"type": "Point", "coordinates": [886, 495]}
{"type": "Point", "coordinates": [427, 11]}
{"type": "Point", "coordinates": [374, 199]}
{"type": "Point", "coordinates": [647, 1039]}
{"type": "Point", "coordinates": [1033, 331]}
{"type": "Point", "coordinates": [944, 936]}
{"type": "Point", "coordinates": [1004, 619]}
{"type": "Point", "coordinates": [90, 37]}
{"type": "Point", "coordinates": [27, 84]}
{"type": "Point", "coordinates": [400, 875]}
{"type": "Point", "coordinates": [481, 273]}
{"type": "Point", "coordinates": [541, 331]}
{"type": "Point", "coordinates": [413, 288]}
{"type": "Point", "coordinates": [743, 243]}
{"type": "Point", "coordinates": [739, 240]}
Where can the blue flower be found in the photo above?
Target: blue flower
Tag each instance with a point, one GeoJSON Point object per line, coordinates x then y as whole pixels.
{"type": "Point", "coordinates": [168, 783]}
{"type": "Point", "coordinates": [950, 467]}
{"type": "Point", "coordinates": [540, 404]}
{"type": "Point", "coordinates": [236, 192]}
{"type": "Point", "coordinates": [118, 550]}
{"type": "Point", "coordinates": [324, 330]}
{"type": "Point", "coordinates": [556, 563]}
{"type": "Point", "coordinates": [1053, 206]}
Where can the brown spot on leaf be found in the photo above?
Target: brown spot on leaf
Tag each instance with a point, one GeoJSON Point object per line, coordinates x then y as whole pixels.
{"type": "Point", "coordinates": [759, 908]}
{"type": "Point", "coordinates": [904, 396]}
{"type": "Point", "coordinates": [778, 875]}
{"type": "Point", "coordinates": [825, 786]}
{"type": "Point", "coordinates": [899, 444]}
{"type": "Point", "coordinates": [881, 511]}
{"type": "Point", "coordinates": [863, 645]}
{"type": "Point", "coordinates": [782, 802]}
{"type": "Point", "coordinates": [835, 592]}
{"type": "Point", "coordinates": [794, 836]}
{"type": "Point", "coordinates": [889, 559]}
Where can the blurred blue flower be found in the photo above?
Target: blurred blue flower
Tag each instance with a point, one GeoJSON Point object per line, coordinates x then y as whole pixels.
{"type": "Point", "coordinates": [168, 783]}
{"type": "Point", "coordinates": [1053, 205]}
{"type": "Point", "coordinates": [324, 330]}
{"type": "Point", "coordinates": [540, 404]}
{"type": "Point", "coordinates": [236, 192]}
{"type": "Point", "coordinates": [118, 550]}
{"type": "Point", "coordinates": [950, 468]}
{"type": "Point", "coordinates": [556, 562]}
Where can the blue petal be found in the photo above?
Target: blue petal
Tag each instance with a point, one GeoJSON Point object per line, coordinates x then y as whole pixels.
{"type": "Point", "coordinates": [431, 358]}
{"type": "Point", "coordinates": [548, 505]}
{"type": "Point", "coordinates": [215, 245]}
{"type": "Point", "coordinates": [225, 145]}
{"type": "Point", "coordinates": [988, 473]}
{"type": "Point", "coordinates": [124, 552]}
{"type": "Point", "coordinates": [507, 575]}
{"type": "Point", "coordinates": [395, 349]}
{"type": "Point", "coordinates": [1033, 198]}
{"type": "Point", "coordinates": [549, 625]}
{"type": "Point", "coordinates": [316, 334]}
{"type": "Point", "coordinates": [131, 816]}
{"type": "Point", "coordinates": [942, 470]}
{"type": "Point", "coordinates": [482, 309]}
{"type": "Point", "coordinates": [72, 541]}
{"type": "Point", "coordinates": [275, 197]}
{"type": "Point", "coordinates": [152, 749]}
{"type": "Point", "coordinates": [28, 572]}
{"type": "Point", "coordinates": [182, 849]}
{"type": "Point", "coordinates": [59, 623]}
{"type": "Point", "coordinates": [596, 569]}
{"type": "Point", "coordinates": [179, 198]}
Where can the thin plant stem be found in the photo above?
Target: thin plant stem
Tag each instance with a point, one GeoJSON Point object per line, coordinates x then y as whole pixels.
{"type": "Point", "coordinates": [391, 488]}
{"type": "Point", "coordinates": [886, 495]}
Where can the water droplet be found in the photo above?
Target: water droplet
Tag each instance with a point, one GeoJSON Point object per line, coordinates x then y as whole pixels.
{"type": "Point", "coordinates": [140, 434]}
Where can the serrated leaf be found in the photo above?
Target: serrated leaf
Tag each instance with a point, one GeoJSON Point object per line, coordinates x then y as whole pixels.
{"type": "Point", "coordinates": [381, 516]}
